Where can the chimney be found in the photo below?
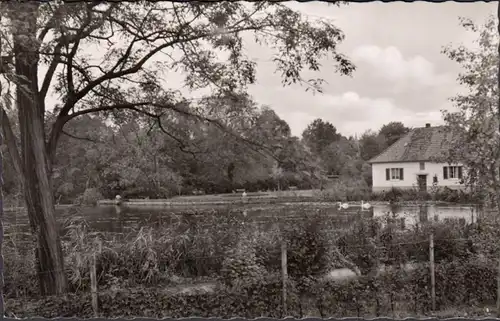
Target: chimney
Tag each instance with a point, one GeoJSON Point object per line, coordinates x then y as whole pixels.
{"type": "Point", "coordinates": [427, 125]}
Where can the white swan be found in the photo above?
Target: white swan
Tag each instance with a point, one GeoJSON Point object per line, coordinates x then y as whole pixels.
{"type": "Point", "coordinates": [365, 205]}
{"type": "Point", "coordinates": [343, 205]}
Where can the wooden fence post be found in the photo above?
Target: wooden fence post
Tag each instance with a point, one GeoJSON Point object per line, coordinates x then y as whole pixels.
{"type": "Point", "coordinates": [284, 275]}
{"type": "Point", "coordinates": [93, 285]}
{"type": "Point", "coordinates": [433, 280]}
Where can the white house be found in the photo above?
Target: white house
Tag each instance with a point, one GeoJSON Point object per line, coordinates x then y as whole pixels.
{"type": "Point", "coordinates": [408, 162]}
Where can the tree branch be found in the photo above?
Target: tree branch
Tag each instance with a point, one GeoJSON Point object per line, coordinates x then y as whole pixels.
{"type": "Point", "coordinates": [136, 107]}
{"type": "Point", "coordinates": [51, 23]}
{"type": "Point", "coordinates": [50, 72]}
{"type": "Point", "coordinates": [117, 74]}
{"type": "Point", "coordinates": [82, 138]}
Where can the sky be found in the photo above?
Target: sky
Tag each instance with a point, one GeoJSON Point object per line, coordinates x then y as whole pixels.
{"type": "Point", "coordinates": [401, 73]}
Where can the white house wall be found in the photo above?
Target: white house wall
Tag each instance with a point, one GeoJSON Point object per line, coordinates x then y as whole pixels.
{"type": "Point", "coordinates": [411, 170]}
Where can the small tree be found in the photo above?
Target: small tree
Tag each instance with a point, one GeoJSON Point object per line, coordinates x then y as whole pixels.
{"type": "Point", "coordinates": [475, 141]}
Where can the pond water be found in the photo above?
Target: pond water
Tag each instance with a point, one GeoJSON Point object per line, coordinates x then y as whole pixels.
{"type": "Point", "coordinates": [424, 213]}
{"type": "Point", "coordinates": [123, 219]}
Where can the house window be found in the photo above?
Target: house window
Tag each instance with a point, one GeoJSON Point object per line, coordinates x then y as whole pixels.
{"type": "Point", "coordinates": [394, 174]}
{"type": "Point", "coordinates": [452, 172]}
{"type": "Point", "coordinates": [422, 166]}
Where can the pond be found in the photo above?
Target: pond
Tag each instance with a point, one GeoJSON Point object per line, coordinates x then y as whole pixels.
{"type": "Point", "coordinates": [123, 219]}
{"type": "Point", "coordinates": [412, 215]}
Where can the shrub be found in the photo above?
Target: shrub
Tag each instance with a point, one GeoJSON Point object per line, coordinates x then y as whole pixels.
{"type": "Point", "coordinates": [443, 194]}
{"type": "Point", "coordinates": [347, 190]}
{"type": "Point", "coordinates": [20, 279]}
{"type": "Point", "coordinates": [221, 247]}
{"type": "Point", "coordinates": [358, 245]}
{"type": "Point", "coordinates": [240, 265]}
{"type": "Point", "coordinates": [267, 246]}
{"type": "Point", "coordinates": [309, 247]}
{"type": "Point", "coordinates": [458, 283]}
{"type": "Point", "coordinates": [262, 297]}
{"type": "Point", "coordinates": [207, 238]}
{"type": "Point", "coordinates": [91, 196]}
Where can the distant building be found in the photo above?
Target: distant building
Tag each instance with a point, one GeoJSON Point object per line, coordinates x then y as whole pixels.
{"type": "Point", "coordinates": [411, 162]}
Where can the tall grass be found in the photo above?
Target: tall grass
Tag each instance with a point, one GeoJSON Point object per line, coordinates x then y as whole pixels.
{"type": "Point", "coordinates": [346, 191]}
{"type": "Point", "coordinates": [225, 246]}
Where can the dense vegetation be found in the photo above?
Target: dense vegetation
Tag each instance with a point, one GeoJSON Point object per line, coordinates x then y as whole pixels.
{"type": "Point", "coordinates": [121, 128]}
{"type": "Point", "coordinates": [138, 275]}
{"type": "Point", "coordinates": [138, 160]}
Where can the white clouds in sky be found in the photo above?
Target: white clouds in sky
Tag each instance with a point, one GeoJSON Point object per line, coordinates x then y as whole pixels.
{"type": "Point", "coordinates": [350, 112]}
{"type": "Point", "coordinates": [389, 63]}
{"type": "Point", "coordinates": [353, 114]}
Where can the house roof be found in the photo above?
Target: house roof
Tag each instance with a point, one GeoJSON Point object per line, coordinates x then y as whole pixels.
{"type": "Point", "coordinates": [420, 144]}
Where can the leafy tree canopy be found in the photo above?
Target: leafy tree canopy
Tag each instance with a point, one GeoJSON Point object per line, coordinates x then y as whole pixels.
{"type": "Point", "coordinates": [319, 134]}
{"type": "Point", "coordinates": [393, 131]}
{"type": "Point", "coordinates": [476, 141]}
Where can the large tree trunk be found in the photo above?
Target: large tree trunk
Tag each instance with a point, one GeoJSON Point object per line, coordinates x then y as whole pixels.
{"type": "Point", "coordinates": [2, 309]}
{"type": "Point", "coordinates": [498, 119]}
{"type": "Point", "coordinates": [35, 164]}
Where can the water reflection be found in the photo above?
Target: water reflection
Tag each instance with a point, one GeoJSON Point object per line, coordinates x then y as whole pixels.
{"type": "Point", "coordinates": [419, 214]}
{"type": "Point", "coordinates": [122, 219]}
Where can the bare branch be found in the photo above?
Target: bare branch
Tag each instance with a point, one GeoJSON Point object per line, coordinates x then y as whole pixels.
{"type": "Point", "coordinates": [50, 72]}
{"type": "Point", "coordinates": [117, 74]}
{"type": "Point", "coordinates": [82, 138]}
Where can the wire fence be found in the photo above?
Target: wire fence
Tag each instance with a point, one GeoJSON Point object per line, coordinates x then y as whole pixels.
{"type": "Point", "coordinates": [389, 281]}
{"type": "Point", "coordinates": [424, 287]}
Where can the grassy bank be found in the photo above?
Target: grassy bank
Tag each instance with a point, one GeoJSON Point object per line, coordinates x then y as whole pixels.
{"type": "Point", "coordinates": [136, 272]}
{"type": "Point", "coordinates": [338, 192]}
{"type": "Point", "coordinates": [358, 191]}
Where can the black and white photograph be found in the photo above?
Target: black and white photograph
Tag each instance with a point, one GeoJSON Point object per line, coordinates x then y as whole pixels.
{"type": "Point", "coordinates": [247, 159]}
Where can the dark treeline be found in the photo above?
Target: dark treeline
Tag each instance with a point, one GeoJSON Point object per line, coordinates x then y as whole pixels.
{"type": "Point", "coordinates": [138, 157]}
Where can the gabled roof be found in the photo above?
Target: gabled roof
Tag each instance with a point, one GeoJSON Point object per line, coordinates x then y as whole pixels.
{"type": "Point", "coordinates": [420, 144]}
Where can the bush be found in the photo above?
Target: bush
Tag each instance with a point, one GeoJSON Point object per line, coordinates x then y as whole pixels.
{"type": "Point", "coordinates": [446, 194]}
{"type": "Point", "coordinates": [262, 297]}
{"type": "Point", "coordinates": [468, 283]}
{"type": "Point", "coordinates": [221, 248]}
{"type": "Point", "coordinates": [346, 191]}
{"type": "Point", "coordinates": [20, 279]}
{"type": "Point", "coordinates": [395, 195]}
{"type": "Point", "coordinates": [439, 194]}
{"type": "Point", "coordinates": [240, 266]}
{"type": "Point", "coordinates": [308, 247]}
{"type": "Point", "coordinates": [204, 242]}
{"type": "Point", "coordinates": [91, 196]}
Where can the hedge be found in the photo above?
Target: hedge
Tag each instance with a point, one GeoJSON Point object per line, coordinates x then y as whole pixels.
{"type": "Point", "coordinates": [470, 283]}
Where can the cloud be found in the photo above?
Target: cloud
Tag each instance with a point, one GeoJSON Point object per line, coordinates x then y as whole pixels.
{"type": "Point", "coordinates": [350, 112]}
{"type": "Point", "coordinates": [390, 64]}
{"type": "Point", "coordinates": [351, 107]}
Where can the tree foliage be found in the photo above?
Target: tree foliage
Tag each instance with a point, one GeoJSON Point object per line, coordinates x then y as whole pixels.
{"type": "Point", "coordinates": [392, 132]}
{"type": "Point", "coordinates": [476, 140]}
{"type": "Point", "coordinates": [139, 44]}
{"type": "Point", "coordinates": [319, 134]}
